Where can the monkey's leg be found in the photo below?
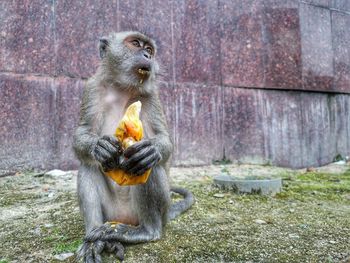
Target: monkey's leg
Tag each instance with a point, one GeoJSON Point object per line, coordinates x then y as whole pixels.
{"type": "Point", "coordinates": [152, 201]}
{"type": "Point", "coordinates": [91, 185]}
{"type": "Point", "coordinates": [89, 179]}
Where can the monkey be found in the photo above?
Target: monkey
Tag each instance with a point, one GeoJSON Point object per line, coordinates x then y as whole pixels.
{"type": "Point", "coordinates": [127, 73]}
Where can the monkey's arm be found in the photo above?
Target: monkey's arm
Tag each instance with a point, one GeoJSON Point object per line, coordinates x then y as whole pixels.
{"type": "Point", "coordinates": [161, 140]}
{"type": "Point", "coordinates": [88, 146]}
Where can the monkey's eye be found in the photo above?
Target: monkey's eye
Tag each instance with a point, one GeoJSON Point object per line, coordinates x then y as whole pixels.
{"type": "Point", "coordinates": [149, 50]}
{"type": "Point", "coordinates": [136, 43]}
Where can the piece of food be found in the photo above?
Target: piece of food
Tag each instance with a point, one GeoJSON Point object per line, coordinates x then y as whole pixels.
{"type": "Point", "coordinates": [128, 132]}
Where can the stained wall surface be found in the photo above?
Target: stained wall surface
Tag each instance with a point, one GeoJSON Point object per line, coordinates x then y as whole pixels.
{"type": "Point", "coordinates": [254, 81]}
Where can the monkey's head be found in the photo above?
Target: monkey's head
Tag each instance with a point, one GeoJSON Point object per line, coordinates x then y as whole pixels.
{"type": "Point", "coordinates": [128, 58]}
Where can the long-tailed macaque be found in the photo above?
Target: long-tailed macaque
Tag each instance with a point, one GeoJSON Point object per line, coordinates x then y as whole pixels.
{"type": "Point", "coordinates": [127, 73]}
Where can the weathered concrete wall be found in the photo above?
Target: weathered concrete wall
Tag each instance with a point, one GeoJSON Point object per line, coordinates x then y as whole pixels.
{"type": "Point", "coordinates": [257, 80]}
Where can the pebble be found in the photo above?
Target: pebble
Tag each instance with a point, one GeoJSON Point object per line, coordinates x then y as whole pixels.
{"type": "Point", "coordinates": [57, 213]}
{"type": "Point", "coordinates": [36, 231]}
{"type": "Point", "coordinates": [310, 169]}
{"type": "Point", "coordinates": [341, 162]}
{"type": "Point", "coordinates": [64, 256]}
{"type": "Point", "coordinates": [293, 236]}
{"type": "Point", "coordinates": [332, 241]}
{"type": "Point", "coordinates": [58, 173]}
{"type": "Point", "coordinates": [260, 222]}
{"type": "Point", "coordinates": [48, 225]}
{"type": "Point", "coordinates": [219, 195]}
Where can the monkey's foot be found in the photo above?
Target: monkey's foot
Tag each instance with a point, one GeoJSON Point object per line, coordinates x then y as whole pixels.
{"type": "Point", "coordinates": [90, 252]}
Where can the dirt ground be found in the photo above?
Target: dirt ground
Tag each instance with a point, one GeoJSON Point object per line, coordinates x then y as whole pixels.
{"type": "Point", "coordinates": [309, 221]}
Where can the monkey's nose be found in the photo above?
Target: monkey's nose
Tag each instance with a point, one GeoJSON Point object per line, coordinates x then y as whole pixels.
{"type": "Point", "coordinates": [146, 55]}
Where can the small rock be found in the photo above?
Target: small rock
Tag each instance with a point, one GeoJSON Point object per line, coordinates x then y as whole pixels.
{"type": "Point", "coordinates": [50, 195]}
{"type": "Point", "coordinates": [56, 172]}
{"type": "Point", "coordinates": [48, 225]}
{"type": "Point", "coordinates": [260, 222]}
{"type": "Point", "coordinates": [310, 169]}
{"type": "Point", "coordinates": [64, 256]}
{"type": "Point", "coordinates": [231, 201]}
{"type": "Point", "coordinates": [293, 236]}
{"type": "Point", "coordinates": [219, 195]}
{"type": "Point", "coordinates": [57, 213]}
{"type": "Point", "coordinates": [36, 231]}
{"type": "Point", "coordinates": [291, 210]}
{"type": "Point", "coordinates": [332, 241]}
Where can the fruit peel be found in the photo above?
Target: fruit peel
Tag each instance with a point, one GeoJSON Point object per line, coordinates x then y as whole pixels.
{"type": "Point", "coordinates": [128, 132]}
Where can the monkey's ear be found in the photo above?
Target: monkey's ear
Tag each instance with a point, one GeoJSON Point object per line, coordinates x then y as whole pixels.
{"type": "Point", "coordinates": [103, 47]}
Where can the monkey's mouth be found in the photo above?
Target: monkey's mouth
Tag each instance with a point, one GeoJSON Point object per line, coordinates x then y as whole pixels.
{"type": "Point", "coordinates": [144, 71]}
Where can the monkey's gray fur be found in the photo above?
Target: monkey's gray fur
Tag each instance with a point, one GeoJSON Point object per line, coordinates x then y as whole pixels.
{"type": "Point", "coordinates": [127, 73]}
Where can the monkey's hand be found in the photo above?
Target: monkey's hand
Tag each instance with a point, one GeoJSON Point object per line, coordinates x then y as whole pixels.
{"type": "Point", "coordinates": [140, 157]}
{"type": "Point", "coordinates": [107, 152]}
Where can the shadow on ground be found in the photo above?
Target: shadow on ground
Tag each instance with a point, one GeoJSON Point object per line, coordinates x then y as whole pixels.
{"type": "Point", "coordinates": [308, 222]}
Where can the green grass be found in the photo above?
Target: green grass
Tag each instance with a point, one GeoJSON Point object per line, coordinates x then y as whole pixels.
{"type": "Point", "coordinates": [70, 246]}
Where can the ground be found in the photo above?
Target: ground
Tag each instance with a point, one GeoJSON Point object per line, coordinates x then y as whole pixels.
{"type": "Point", "coordinates": [309, 221]}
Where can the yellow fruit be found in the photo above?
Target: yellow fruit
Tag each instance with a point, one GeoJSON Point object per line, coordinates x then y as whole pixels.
{"type": "Point", "coordinates": [128, 132]}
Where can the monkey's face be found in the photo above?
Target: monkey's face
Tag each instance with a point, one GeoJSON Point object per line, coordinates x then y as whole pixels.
{"type": "Point", "coordinates": [130, 58]}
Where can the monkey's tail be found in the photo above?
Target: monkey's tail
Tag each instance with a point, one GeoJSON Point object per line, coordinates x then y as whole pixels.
{"type": "Point", "coordinates": [183, 205]}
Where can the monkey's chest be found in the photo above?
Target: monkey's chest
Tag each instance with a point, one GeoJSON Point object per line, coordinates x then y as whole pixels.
{"type": "Point", "coordinates": [113, 107]}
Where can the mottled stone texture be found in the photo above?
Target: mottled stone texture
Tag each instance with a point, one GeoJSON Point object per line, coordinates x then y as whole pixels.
{"type": "Point", "coordinates": [282, 45]}
{"type": "Point", "coordinates": [317, 52]}
{"type": "Point", "coordinates": [27, 37]}
{"type": "Point", "coordinates": [254, 81]}
{"type": "Point", "coordinates": [27, 123]}
{"type": "Point", "coordinates": [241, 43]}
{"type": "Point", "coordinates": [198, 121]}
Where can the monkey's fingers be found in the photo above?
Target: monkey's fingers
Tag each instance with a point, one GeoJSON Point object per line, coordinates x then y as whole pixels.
{"type": "Point", "coordinates": [114, 142]}
{"type": "Point", "coordinates": [131, 150]}
{"type": "Point", "coordinates": [101, 154]}
{"type": "Point", "coordinates": [128, 164]}
{"type": "Point", "coordinates": [145, 164]}
{"type": "Point", "coordinates": [109, 146]}
{"type": "Point", "coordinates": [99, 232]}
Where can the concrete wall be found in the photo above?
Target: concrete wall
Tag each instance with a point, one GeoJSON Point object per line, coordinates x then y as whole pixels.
{"type": "Point", "coordinates": [259, 81]}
